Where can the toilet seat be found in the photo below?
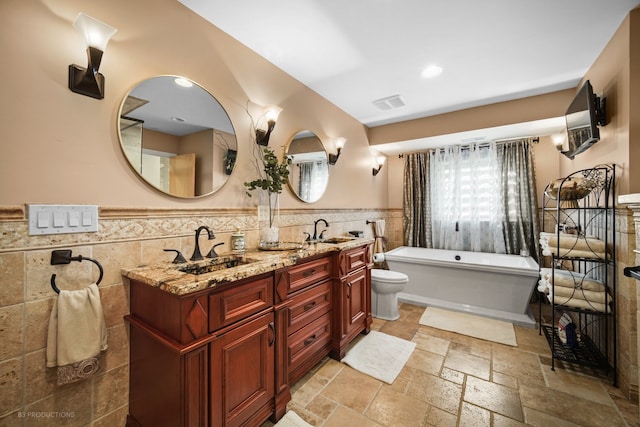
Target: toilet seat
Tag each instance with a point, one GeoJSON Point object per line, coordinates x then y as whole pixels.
{"type": "Point", "coordinates": [388, 276]}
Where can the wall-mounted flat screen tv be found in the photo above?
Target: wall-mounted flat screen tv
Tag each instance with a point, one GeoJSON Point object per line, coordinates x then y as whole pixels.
{"type": "Point", "coordinates": [583, 116]}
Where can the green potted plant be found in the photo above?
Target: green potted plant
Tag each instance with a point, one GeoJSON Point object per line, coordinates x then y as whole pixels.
{"type": "Point", "coordinates": [273, 177]}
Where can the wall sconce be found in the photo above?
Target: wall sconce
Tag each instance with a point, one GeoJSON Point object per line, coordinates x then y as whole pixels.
{"type": "Point", "coordinates": [560, 141]}
{"type": "Point", "coordinates": [88, 81]}
{"type": "Point", "coordinates": [380, 160]}
{"type": "Point", "coordinates": [271, 115]}
{"type": "Point", "coordinates": [339, 143]}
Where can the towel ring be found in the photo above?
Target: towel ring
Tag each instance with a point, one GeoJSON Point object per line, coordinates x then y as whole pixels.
{"type": "Point", "coordinates": [64, 257]}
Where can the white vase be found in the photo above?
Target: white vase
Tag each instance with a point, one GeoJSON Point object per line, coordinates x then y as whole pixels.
{"type": "Point", "coordinates": [269, 236]}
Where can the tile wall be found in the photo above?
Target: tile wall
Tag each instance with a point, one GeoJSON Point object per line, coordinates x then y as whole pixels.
{"type": "Point", "coordinates": [125, 237]}
{"type": "Point", "coordinates": [626, 300]}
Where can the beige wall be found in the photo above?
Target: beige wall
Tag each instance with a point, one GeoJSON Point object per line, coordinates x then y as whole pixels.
{"type": "Point", "coordinates": [201, 143]}
{"type": "Point", "coordinates": [614, 76]}
{"type": "Point", "coordinates": [48, 127]}
{"type": "Point", "coordinates": [634, 102]}
{"type": "Point", "coordinates": [159, 141]}
{"type": "Point", "coordinates": [61, 147]}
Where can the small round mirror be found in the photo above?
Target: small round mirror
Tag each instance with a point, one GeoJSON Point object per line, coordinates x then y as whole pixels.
{"type": "Point", "coordinates": [177, 137]}
{"type": "Point", "coordinates": [309, 170]}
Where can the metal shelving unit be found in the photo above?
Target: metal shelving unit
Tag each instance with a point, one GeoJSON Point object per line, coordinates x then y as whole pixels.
{"type": "Point", "coordinates": [581, 208]}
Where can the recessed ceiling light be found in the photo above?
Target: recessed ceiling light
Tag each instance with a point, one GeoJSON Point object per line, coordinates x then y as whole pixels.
{"type": "Point", "coordinates": [183, 82]}
{"type": "Point", "coordinates": [432, 71]}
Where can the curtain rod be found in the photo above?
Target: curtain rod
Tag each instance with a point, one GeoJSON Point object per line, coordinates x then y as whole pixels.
{"type": "Point", "coordinates": [531, 139]}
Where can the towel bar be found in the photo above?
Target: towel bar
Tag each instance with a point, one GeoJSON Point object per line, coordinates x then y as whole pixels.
{"type": "Point", "coordinates": [63, 256]}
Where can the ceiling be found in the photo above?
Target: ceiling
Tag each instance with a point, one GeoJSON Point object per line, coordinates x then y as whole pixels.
{"type": "Point", "coordinates": [357, 51]}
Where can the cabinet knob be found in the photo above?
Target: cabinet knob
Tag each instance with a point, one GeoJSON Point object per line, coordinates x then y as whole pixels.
{"type": "Point", "coordinates": [309, 306]}
{"type": "Point", "coordinates": [309, 273]}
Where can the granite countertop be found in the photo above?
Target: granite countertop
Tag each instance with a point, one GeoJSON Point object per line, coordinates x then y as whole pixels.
{"type": "Point", "coordinates": [229, 267]}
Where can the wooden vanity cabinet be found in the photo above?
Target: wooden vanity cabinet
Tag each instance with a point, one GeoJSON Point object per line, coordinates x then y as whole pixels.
{"type": "Point", "coordinates": [352, 294]}
{"type": "Point", "coordinates": [223, 375]}
{"type": "Point", "coordinates": [225, 356]}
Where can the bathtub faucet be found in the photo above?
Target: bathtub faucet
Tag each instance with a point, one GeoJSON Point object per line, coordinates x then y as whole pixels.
{"type": "Point", "coordinates": [315, 228]}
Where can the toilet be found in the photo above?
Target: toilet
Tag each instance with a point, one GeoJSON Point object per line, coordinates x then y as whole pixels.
{"type": "Point", "coordinates": [385, 285]}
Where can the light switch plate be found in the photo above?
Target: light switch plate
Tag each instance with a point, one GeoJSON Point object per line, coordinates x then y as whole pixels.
{"type": "Point", "coordinates": [62, 219]}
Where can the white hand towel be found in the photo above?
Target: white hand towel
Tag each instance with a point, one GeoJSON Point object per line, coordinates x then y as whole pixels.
{"type": "Point", "coordinates": [77, 329]}
{"type": "Point", "coordinates": [378, 228]}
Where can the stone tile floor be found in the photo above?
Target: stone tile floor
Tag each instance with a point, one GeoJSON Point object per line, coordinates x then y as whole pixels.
{"type": "Point", "coordinates": [456, 380]}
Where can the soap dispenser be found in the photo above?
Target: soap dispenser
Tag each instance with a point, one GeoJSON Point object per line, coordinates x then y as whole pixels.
{"type": "Point", "coordinates": [237, 241]}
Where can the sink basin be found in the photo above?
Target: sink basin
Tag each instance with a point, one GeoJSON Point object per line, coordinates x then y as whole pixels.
{"type": "Point", "coordinates": [336, 240]}
{"type": "Point", "coordinates": [214, 265]}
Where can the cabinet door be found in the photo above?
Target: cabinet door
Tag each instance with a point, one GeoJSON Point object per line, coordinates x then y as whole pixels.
{"type": "Point", "coordinates": [166, 388]}
{"type": "Point", "coordinates": [242, 373]}
{"type": "Point", "coordinates": [355, 302]}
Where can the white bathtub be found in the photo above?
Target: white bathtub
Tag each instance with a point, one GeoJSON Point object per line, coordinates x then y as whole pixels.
{"type": "Point", "coordinates": [491, 285]}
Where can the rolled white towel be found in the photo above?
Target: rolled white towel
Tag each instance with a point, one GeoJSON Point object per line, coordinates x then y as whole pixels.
{"type": "Point", "coordinates": [591, 296]}
{"type": "Point", "coordinates": [571, 279]}
{"type": "Point", "coordinates": [572, 245]}
{"type": "Point", "coordinates": [543, 286]}
{"type": "Point", "coordinates": [573, 241]}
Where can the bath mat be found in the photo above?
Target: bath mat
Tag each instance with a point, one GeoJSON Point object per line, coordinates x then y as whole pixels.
{"type": "Point", "coordinates": [379, 355]}
{"type": "Point", "coordinates": [471, 325]}
{"type": "Point", "coordinates": [291, 419]}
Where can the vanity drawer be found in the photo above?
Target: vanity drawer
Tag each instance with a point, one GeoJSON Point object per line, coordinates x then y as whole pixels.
{"type": "Point", "coordinates": [309, 304]}
{"type": "Point", "coordinates": [239, 301]}
{"type": "Point", "coordinates": [313, 338]}
{"type": "Point", "coordinates": [353, 259]}
{"type": "Point", "coordinates": [299, 276]}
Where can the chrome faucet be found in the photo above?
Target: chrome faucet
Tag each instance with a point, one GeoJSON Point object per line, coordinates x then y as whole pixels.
{"type": "Point", "coordinates": [315, 229]}
{"type": "Point", "coordinates": [197, 256]}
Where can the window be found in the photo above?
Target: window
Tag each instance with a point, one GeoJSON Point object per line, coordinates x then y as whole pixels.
{"type": "Point", "coordinates": [466, 202]}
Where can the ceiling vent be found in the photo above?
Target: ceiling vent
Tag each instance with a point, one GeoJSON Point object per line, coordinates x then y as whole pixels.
{"type": "Point", "coordinates": [390, 102]}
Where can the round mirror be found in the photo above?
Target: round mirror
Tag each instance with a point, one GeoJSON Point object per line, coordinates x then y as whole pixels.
{"type": "Point", "coordinates": [309, 170]}
{"type": "Point", "coordinates": [177, 136]}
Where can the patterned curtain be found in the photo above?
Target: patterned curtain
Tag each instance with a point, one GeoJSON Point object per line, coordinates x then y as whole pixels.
{"type": "Point", "coordinates": [416, 206]}
{"type": "Point", "coordinates": [519, 197]}
{"type": "Point", "coordinates": [502, 219]}
{"type": "Point", "coordinates": [466, 211]}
